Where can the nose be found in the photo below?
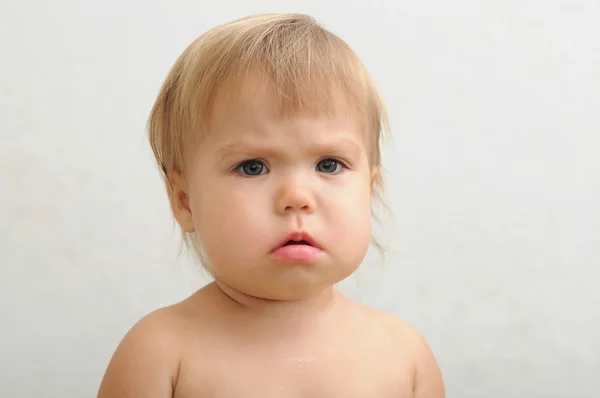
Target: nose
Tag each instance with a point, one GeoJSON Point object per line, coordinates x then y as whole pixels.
{"type": "Point", "coordinates": [294, 196]}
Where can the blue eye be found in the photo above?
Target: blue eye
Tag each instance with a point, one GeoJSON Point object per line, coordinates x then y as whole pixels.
{"type": "Point", "coordinates": [252, 168]}
{"type": "Point", "coordinates": [329, 166]}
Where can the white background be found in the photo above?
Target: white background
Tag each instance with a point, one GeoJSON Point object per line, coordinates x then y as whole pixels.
{"type": "Point", "coordinates": [493, 176]}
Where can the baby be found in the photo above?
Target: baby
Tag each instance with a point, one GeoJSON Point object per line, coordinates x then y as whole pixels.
{"type": "Point", "coordinates": [267, 130]}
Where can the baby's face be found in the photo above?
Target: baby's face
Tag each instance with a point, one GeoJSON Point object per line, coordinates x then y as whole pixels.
{"type": "Point", "coordinates": [282, 207]}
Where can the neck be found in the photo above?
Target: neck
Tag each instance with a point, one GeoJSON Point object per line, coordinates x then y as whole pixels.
{"type": "Point", "coordinates": [313, 306]}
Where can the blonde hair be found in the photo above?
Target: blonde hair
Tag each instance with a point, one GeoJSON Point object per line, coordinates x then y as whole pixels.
{"type": "Point", "coordinates": [305, 67]}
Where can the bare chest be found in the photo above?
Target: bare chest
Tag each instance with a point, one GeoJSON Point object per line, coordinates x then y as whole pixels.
{"type": "Point", "coordinates": [348, 371]}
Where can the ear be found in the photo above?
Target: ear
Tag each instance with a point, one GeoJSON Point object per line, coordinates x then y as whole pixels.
{"type": "Point", "coordinates": [179, 198]}
{"type": "Point", "coordinates": [375, 175]}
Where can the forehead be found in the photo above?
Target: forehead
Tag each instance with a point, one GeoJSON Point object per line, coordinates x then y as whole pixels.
{"type": "Point", "coordinates": [255, 94]}
{"type": "Point", "coordinates": [253, 105]}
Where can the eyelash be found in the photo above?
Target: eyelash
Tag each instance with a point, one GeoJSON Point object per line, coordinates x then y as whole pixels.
{"type": "Point", "coordinates": [238, 169]}
{"type": "Point", "coordinates": [342, 165]}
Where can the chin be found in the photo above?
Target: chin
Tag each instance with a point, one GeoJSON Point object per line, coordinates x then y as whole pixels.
{"type": "Point", "coordinates": [297, 286]}
{"type": "Point", "coordinates": [289, 280]}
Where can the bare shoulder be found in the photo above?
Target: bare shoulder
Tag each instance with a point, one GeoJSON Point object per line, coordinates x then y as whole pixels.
{"type": "Point", "coordinates": [146, 362]}
{"type": "Point", "coordinates": [427, 377]}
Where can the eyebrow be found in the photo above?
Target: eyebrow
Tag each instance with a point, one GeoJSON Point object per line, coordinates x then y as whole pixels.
{"type": "Point", "coordinates": [244, 148]}
{"type": "Point", "coordinates": [343, 147]}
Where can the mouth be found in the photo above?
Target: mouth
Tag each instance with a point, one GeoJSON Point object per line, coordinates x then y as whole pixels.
{"type": "Point", "coordinates": [298, 239]}
{"type": "Point", "coordinates": [298, 248]}
{"type": "Point", "coordinates": [293, 242]}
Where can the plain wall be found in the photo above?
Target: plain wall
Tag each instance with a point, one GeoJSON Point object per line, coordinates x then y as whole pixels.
{"type": "Point", "coordinates": [493, 177]}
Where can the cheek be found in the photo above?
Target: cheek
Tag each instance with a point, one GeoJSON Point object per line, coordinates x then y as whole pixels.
{"type": "Point", "coordinates": [350, 214]}
{"type": "Point", "coordinates": [223, 216]}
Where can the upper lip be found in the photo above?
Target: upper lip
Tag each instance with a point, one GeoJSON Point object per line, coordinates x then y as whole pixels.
{"type": "Point", "coordinates": [297, 237]}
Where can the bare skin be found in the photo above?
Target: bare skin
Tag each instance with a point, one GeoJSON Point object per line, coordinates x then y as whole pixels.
{"type": "Point", "coordinates": [302, 338]}
{"type": "Point", "coordinates": [219, 343]}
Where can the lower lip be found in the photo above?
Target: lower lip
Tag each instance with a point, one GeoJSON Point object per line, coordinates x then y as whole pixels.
{"type": "Point", "coordinates": [297, 253]}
